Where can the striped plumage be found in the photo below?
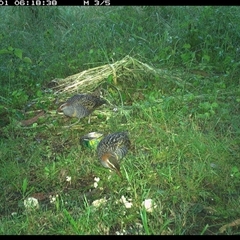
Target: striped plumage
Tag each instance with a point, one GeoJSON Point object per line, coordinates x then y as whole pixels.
{"type": "Point", "coordinates": [112, 148]}
{"type": "Point", "coordinates": [81, 105]}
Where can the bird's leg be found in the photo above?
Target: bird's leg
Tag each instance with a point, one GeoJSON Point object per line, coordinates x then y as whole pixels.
{"type": "Point", "coordinates": [89, 119]}
{"type": "Point", "coordinates": [73, 123]}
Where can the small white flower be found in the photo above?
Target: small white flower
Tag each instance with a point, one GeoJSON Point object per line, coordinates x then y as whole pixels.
{"type": "Point", "coordinates": [53, 198]}
{"type": "Point", "coordinates": [128, 204]}
{"type": "Point", "coordinates": [96, 179]}
{"type": "Point", "coordinates": [68, 178]}
{"type": "Point", "coordinates": [31, 203]}
{"type": "Point", "coordinates": [121, 233]}
{"type": "Point", "coordinates": [14, 214]}
{"type": "Point", "coordinates": [99, 202]}
{"type": "Point", "coordinates": [149, 205]}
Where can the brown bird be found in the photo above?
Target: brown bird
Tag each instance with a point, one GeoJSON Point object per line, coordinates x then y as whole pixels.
{"type": "Point", "coordinates": [112, 148]}
{"type": "Point", "coordinates": [81, 105]}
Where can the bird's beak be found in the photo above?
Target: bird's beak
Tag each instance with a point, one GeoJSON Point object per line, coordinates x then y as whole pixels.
{"type": "Point", "coordinates": [59, 109]}
{"type": "Point", "coordinates": [119, 174]}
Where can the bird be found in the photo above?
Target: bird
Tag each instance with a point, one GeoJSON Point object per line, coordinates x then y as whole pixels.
{"type": "Point", "coordinates": [111, 150]}
{"type": "Point", "coordinates": [81, 105]}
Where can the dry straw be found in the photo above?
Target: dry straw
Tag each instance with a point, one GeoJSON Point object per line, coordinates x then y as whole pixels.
{"type": "Point", "coordinates": [91, 78]}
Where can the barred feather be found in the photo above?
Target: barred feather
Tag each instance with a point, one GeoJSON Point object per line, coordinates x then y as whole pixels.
{"type": "Point", "coordinates": [112, 149]}
{"type": "Point", "coordinates": [81, 105]}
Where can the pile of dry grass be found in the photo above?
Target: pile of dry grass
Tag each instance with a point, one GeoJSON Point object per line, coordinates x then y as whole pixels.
{"type": "Point", "coordinates": [91, 78]}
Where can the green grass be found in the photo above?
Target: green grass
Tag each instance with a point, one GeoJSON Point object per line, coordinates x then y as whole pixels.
{"type": "Point", "coordinates": [184, 126]}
